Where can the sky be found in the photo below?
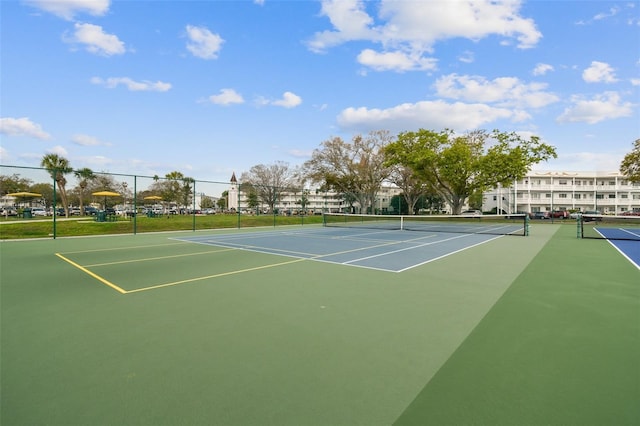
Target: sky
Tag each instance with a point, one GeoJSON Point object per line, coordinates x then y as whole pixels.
{"type": "Point", "coordinates": [208, 88]}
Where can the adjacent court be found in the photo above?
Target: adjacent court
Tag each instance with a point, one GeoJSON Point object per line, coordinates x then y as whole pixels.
{"type": "Point", "coordinates": [320, 326]}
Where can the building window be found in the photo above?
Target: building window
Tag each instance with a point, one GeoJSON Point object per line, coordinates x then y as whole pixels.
{"type": "Point", "coordinates": [578, 183]}
{"type": "Point", "coordinates": [599, 196]}
{"type": "Point", "coordinates": [547, 195]}
{"type": "Point", "coordinates": [624, 196]}
{"type": "Point", "coordinates": [576, 196]}
{"type": "Point", "coordinates": [611, 196]}
{"type": "Point", "coordinates": [562, 182]}
{"type": "Point", "coordinates": [562, 195]}
{"type": "Point", "coordinates": [535, 196]}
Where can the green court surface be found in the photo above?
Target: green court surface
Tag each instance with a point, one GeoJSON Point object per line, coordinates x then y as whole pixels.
{"type": "Point", "coordinates": [147, 330]}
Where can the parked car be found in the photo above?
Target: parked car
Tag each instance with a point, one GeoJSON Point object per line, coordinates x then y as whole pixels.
{"type": "Point", "coordinates": [575, 215]}
{"type": "Point", "coordinates": [559, 214]}
{"type": "Point", "coordinates": [472, 213]}
{"type": "Point", "coordinates": [540, 215]}
{"type": "Point", "coordinates": [8, 211]}
{"type": "Point", "coordinates": [592, 216]}
{"type": "Point", "coordinates": [90, 211]}
{"type": "Point", "coordinates": [39, 211]}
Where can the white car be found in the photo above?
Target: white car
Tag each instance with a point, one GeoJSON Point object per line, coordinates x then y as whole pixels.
{"type": "Point", "coordinates": [39, 212]}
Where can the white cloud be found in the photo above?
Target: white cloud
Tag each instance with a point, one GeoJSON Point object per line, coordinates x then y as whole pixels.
{"type": "Point", "coordinates": [86, 140]}
{"type": "Point", "coordinates": [349, 19]}
{"type": "Point", "coordinates": [542, 69]}
{"type": "Point", "coordinates": [96, 40]}
{"type": "Point", "coordinates": [605, 106]}
{"type": "Point", "coordinates": [67, 9]}
{"type": "Point", "coordinates": [599, 72]}
{"type": "Point", "coordinates": [203, 43]}
{"type": "Point", "coordinates": [467, 57]}
{"type": "Point", "coordinates": [58, 150]}
{"type": "Point", "coordinates": [583, 161]}
{"type": "Point", "coordinates": [289, 100]}
{"type": "Point", "coordinates": [414, 27]}
{"type": "Point", "coordinates": [132, 85]}
{"type": "Point", "coordinates": [635, 81]}
{"type": "Point", "coordinates": [226, 97]}
{"type": "Point", "coordinates": [22, 127]}
{"type": "Point", "coordinates": [397, 61]}
{"type": "Point", "coordinates": [426, 114]}
{"type": "Point", "coordinates": [505, 91]}
{"type": "Point", "coordinates": [612, 12]}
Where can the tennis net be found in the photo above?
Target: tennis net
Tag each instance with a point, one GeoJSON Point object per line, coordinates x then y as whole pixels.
{"type": "Point", "coordinates": [514, 224]}
{"type": "Point", "coordinates": [609, 227]}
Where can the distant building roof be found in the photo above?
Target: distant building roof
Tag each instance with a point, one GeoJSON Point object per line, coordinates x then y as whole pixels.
{"type": "Point", "coordinates": [233, 178]}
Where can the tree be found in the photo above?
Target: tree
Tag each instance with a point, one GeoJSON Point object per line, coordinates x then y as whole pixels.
{"type": "Point", "coordinates": [84, 175]}
{"type": "Point", "coordinates": [630, 166]}
{"type": "Point", "coordinates": [410, 183]}
{"type": "Point", "coordinates": [46, 189]}
{"type": "Point", "coordinates": [58, 167]}
{"type": "Point", "coordinates": [269, 181]}
{"type": "Point", "coordinates": [355, 168]}
{"type": "Point", "coordinates": [458, 166]}
{"type": "Point", "coordinates": [14, 183]}
{"type": "Point", "coordinates": [175, 187]}
{"type": "Point", "coordinates": [304, 200]}
{"type": "Point", "coordinates": [206, 202]}
{"type": "Point", "coordinates": [222, 201]}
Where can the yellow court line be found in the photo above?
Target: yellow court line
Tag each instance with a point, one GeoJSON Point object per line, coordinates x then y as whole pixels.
{"type": "Point", "coordinates": [98, 277]}
{"type": "Point", "coordinates": [214, 276]}
{"type": "Point", "coordinates": [159, 258]}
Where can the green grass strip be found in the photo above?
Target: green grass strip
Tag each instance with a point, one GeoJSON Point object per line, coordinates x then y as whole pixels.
{"type": "Point", "coordinates": [561, 347]}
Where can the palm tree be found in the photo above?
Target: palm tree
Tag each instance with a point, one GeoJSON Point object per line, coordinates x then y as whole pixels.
{"type": "Point", "coordinates": [84, 175]}
{"type": "Point", "coordinates": [57, 167]}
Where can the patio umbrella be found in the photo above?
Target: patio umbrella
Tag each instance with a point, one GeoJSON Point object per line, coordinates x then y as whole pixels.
{"type": "Point", "coordinates": [24, 195]}
{"type": "Point", "coordinates": [105, 194]}
{"type": "Point", "coordinates": [153, 197]}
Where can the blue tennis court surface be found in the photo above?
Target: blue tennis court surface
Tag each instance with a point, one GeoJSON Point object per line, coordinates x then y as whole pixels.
{"type": "Point", "coordinates": [387, 250]}
{"type": "Point", "coordinates": [625, 240]}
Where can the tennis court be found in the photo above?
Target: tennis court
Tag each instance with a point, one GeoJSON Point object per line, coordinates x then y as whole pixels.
{"type": "Point", "coordinates": [320, 326]}
{"type": "Point", "coordinates": [392, 251]}
{"type": "Point", "coordinates": [622, 232]}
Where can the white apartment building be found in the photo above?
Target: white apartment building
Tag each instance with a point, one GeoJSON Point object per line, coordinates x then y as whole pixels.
{"type": "Point", "coordinates": [607, 192]}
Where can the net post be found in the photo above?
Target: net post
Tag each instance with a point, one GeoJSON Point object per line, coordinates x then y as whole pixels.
{"type": "Point", "coordinates": [579, 227]}
{"type": "Point", "coordinates": [526, 225]}
{"type": "Point", "coordinates": [401, 223]}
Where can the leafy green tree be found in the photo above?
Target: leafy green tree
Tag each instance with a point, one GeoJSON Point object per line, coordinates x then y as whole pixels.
{"type": "Point", "coordinates": [357, 168]}
{"type": "Point", "coordinates": [14, 183]}
{"type": "Point", "coordinates": [222, 201]}
{"type": "Point", "coordinates": [206, 202]}
{"type": "Point", "coordinates": [630, 166]}
{"type": "Point", "coordinates": [304, 199]}
{"type": "Point", "coordinates": [410, 183]}
{"type": "Point", "coordinates": [58, 167]}
{"type": "Point", "coordinates": [458, 166]}
{"type": "Point", "coordinates": [84, 175]}
{"type": "Point", "coordinates": [46, 189]}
